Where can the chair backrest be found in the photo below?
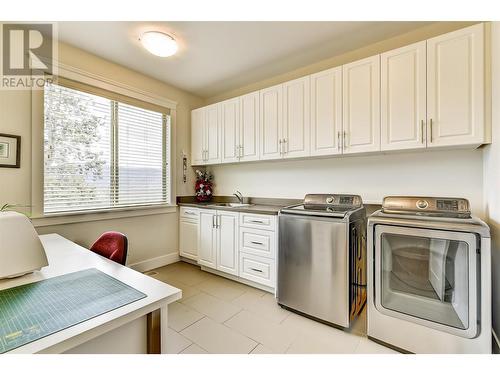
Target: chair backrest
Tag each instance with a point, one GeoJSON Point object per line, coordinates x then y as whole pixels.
{"type": "Point", "coordinates": [112, 245]}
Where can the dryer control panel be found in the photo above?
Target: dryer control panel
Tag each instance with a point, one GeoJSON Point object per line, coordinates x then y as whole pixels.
{"type": "Point", "coordinates": [432, 206]}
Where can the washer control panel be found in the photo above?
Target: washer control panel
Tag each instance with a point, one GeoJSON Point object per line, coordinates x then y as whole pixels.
{"type": "Point", "coordinates": [333, 200]}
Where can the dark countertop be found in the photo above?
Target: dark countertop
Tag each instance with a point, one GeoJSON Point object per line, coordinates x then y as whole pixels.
{"type": "Point", "coordinates": [264, 206]}
{"type": "Point", "coordinates": [253, 209]}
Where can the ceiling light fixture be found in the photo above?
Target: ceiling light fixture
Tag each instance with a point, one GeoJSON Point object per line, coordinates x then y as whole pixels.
{"type": "Point", "coordinates": [159, 44]}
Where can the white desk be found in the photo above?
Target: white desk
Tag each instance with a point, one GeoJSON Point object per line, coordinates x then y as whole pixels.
{"type": "Point", "coordinates": [134, 328]}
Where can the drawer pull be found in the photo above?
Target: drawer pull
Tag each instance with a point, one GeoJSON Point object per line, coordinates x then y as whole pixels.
{"type": "Point", "coordinates": [256, 270]}
{"type": "Point", "coordinates": [189, 213]}
{"type": "Point", "coordinates": [257, 243]}
{"type": "Point", "coordinates": [256, 221]}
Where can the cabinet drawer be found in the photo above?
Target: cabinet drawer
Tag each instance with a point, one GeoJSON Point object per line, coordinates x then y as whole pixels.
{"type": "Point", "coordinates": [257, 269]}
{"type": "Point", "coordinates": [267, 222]}
{"type": "Point", "coordinates": [258, 242]}
{"type": "Point", "coordinates": [190, 213]}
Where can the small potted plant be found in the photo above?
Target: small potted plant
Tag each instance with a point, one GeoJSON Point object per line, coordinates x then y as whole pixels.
{"type": "Point", "coordinates": [204, 186]}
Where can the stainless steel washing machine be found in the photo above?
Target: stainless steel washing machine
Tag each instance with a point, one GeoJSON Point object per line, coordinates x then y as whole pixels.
{"type": "Point", "coordinates": [322, 258]}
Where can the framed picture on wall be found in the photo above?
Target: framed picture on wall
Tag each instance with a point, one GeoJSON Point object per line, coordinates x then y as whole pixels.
{"type": "Point", "coordinates": [10, 151]}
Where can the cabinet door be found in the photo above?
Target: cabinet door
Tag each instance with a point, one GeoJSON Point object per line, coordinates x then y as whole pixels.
{"type": "Point", "coordinates": [296, 117]}
{"type": "Point", "coordinates": [230, 129]}
{"type": "Point", "coordinates": [361, 102]}
{"type": "Point", "coordinates": [207, 239]}
{"type": "Point", "coordinates": [403, 98]}
{"type": "Point", "coordinates": [227, 242]}
{"type": "Point", "coordinates": [326, 112]}
{"type": "Point", "coordinates": [271, 112]}
{"type": "Point", "coordinates": [188, 238]}
{"type": "Point", "coordinates": [249, 127]}
{"type": "Point", "coordinates": [455, 88]}
{"type": "Point", "coordinates": [198, 136]}
{"type": "Point", "coordinates": [212, 138]}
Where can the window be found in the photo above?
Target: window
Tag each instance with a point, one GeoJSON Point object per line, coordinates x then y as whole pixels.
{"type": "Point", "coordinates": [102, 151]}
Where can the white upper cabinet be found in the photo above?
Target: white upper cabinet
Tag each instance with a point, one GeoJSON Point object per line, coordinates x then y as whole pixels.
{"type": "Point", "coordinates": [326, 112]}
{"type": "Point", "coordinates": [212, 136]}
{"type": "Point", "coordinates": [361, 114]}
{"type": "Point", "coordinates": [427, 94]}
{"type": "Point", "coordinates": [230, 129]}
{"type": "Point", "coordinates": [296, 118]}
{"type": "Point", "coordinates": [249, 127]}
{"type": "Point", "coordinates": [227, 242]}
{"type": "Point", "coordinates": [403, 97]}
{"type": "Point", "coordinates": [198, 152]}
{"type": "Point", "coordinates": [271, 122]}
{"type": "Point", "coordinates": [455, 88]}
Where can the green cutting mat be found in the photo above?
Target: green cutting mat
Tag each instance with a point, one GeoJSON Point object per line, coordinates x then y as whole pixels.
{"type": "Point", "coordinates": [32, 311]}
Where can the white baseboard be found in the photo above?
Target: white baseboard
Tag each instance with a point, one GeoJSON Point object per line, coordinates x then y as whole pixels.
{"type": "Point", "coordinates": [150, 264]}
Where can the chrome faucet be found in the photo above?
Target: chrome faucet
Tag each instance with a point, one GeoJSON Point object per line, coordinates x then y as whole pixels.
{"type": "Point", "coordinates": [239, 196]}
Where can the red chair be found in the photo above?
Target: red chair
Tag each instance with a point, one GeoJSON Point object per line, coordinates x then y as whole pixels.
{"type": "Point", "coordinates": [112, 245]}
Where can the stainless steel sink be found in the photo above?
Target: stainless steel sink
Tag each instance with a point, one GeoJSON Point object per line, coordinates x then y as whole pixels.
{"type": "Point", "coordinates": [230, 205]}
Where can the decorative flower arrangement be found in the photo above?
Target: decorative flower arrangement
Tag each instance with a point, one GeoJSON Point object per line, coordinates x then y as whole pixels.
{"type": "Point", "coordinates": [203, 186]}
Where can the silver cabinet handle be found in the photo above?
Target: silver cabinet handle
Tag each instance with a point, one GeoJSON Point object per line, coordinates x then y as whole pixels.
{"type": "Point", "coordinates": [189, 213]}
{"type": "Point", "coordinates": [345, 133]}
{"type": "Point", "coordinates": [430, 121]}
{"type": "Point", "coordinates": [339, 145]}
{"type": "Point", "coordinates": [217, 221]}
{"type": "Point", "coordinates": [423, 128]}
{"type": "Point", "coordinates": [257, 243]}
{"type": "Point", "coordinates": [214, 219]}
{"type": "Point", "coordinates": [256, 221]}
{"type": "Point", "coordinates": [240, 151]}
{"type": "Point", "coordinates": [256, 270]}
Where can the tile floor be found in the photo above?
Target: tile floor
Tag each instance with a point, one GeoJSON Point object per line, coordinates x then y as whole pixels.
{"type": "Point", "coordinates": [217, 315]}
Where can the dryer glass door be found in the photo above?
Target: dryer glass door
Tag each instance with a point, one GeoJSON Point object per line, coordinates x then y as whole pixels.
{"type": "Point", "coordinates": [427, 276]}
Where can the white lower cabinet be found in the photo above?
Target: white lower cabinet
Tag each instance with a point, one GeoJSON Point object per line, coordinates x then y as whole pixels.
{"type": "Point", "coordinates": [258, 244]}
{"type": "Point", "coordinates": [227, 242]}
{"type": "Point", "coordinates": [188, 232]}
{"type": "Point", "coordinates": [207, 239]}
{"type": "Point", "coordinates": [218, 240]}
{"type": "Point", "coordinates": [238, 244]}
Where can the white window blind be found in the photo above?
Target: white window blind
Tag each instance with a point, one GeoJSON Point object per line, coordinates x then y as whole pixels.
{"type": "Point", "coordinates": [100, 153]}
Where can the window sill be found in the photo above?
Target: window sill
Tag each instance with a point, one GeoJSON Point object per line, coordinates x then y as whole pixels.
{"type": "Point", "coordinates": [81, 217]}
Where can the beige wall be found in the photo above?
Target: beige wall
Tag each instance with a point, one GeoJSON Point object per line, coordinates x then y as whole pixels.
{"type": "Point", "coordinates": [149, 236]}
{"type": "Point", "coordinates": [434, 173]}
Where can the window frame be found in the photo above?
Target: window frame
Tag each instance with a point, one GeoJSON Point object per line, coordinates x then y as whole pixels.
{"type": "Point", "coordinates": [41, 219]}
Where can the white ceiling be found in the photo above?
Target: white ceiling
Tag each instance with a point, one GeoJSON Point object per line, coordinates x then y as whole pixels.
{"type": "Point", "coordinates": [215, 57]}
